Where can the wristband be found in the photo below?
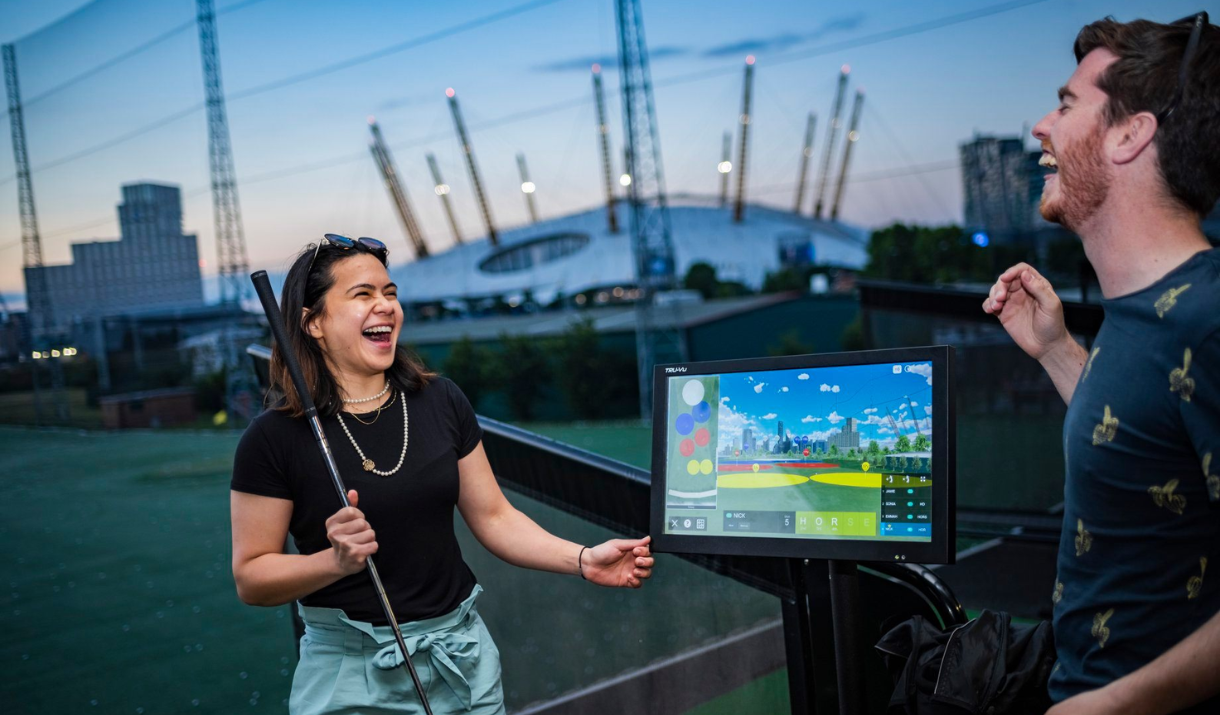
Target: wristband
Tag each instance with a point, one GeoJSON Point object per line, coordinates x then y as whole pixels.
{"type": "Point", "coordinates": [580, 566]}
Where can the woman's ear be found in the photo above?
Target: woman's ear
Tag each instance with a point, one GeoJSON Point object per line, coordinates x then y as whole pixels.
{"type": "Point", "coordinates": [310, 323]}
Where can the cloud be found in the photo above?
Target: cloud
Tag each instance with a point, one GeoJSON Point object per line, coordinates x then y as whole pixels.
{"type": "Point", "coordinates": [870, 410]}
{"type": "Point", "coordinates": [724, 400]}
{"type": "Point", "coordinates": [770, 416]}
{"type": "Point", "coordinates": [927, 409]}
{"type": "Point", "coordinates": [835, 418]}
{"type": "Point", "coordinates": [608, 62]}
{"type": "Point", "coordinates": [834, 388]}
{"type": "Point", "coordinates": [783, 389]}
{"type": "Point", "coordinates": [824, 387]}
{"type": "Point", "coordinates": [758, 388]}
{"type": "Point", "coordinates": [810, 418]}
{"type": "Point", "coordinates": [783, 41]}
{"type": "Point", "coordinates": [803, 376]}
{"type": "Point", "coordinates": [775, 43]}
{"type": "Point", "coordinates": [924, 369]}
{"type": "Point", "coordinates": [914, 403]}
{"type": "Point", "coordinates": [885, 430]}
{"type": "Point", "coordinates": [749, 378]}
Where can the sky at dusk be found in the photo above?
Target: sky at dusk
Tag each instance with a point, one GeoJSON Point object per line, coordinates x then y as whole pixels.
{"type": "Point", "coordinates": [301, 79]}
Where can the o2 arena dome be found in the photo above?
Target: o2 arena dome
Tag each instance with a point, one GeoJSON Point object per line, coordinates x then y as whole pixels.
{"type": "Point", "coordinates": [574, 254]}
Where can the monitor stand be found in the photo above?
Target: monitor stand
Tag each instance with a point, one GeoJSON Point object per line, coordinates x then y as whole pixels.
{"type": "Point", "coordinates": [826, 598]}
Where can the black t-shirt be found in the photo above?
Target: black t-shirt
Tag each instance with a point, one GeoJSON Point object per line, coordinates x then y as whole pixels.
{"type": "Point", "coordinates": [1141, 531]}
{"type": "Point", "coordinates": [418, 557]}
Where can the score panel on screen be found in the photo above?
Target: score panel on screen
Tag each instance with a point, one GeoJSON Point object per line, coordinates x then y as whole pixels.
{"type": "Point", "coordinates": [845, 455]}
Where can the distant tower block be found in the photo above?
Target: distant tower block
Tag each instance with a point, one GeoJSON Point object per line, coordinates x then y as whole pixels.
{"type": "Point", "coordinates": [853, 135]}
{"type": "Point", "coordinates": [725, 167]}
{"type": "Point", "coordinates": [442, 191]}
{"type": "Point", "coordinates": [398, 195]}
{"type": "Point", "coordinates": [806, 154]}
{"type": "Point", "coordinates": [603, 133]}
{"type": "Point", "coordinates": [527, 188]}
{"type": "Point", "coordinates": [831, 138]}
{"type": "Point", "coordinates": [492, 236]}
{"type": "Point", "coordinates": [739, 205]}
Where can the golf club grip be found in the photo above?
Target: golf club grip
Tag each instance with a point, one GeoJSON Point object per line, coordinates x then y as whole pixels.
{"type": "Point", "coordinates": [266, 296]}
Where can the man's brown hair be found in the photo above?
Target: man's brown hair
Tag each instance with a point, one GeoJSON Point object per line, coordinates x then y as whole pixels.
{"type": "Point", "coordinates": [1145, 79]}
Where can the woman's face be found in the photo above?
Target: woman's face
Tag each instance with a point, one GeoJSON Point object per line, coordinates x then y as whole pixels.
{"type": "Point", "coordinates": [359, 325]}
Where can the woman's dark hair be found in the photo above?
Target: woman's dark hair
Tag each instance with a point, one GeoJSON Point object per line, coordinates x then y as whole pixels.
{"type": "Point", "coordinates": [305, 288]}
{"type": "Point", "coordinates": [1144, 79]}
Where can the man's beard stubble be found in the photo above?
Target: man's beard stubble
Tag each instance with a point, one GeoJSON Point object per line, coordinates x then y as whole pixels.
{"type": "Point", "coordinates": [1083, 183]}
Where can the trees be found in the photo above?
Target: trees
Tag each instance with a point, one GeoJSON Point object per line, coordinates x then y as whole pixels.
{"type": "Point", "coordinates": [922, 254]}
{"type": "Point", "coordinates": [471, 368]}
{"type": "Point", "coordinates": [522, 372]}
{"type": "Point", "coordinates": [922, 443]}
{"type": "Point", "coordinates": [592, 378]}
{"type": "Point", "coordinates": [903, 445]}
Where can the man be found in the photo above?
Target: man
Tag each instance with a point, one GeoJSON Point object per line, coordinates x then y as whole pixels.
{"type": "Point", "coordinates": [1136, 144]}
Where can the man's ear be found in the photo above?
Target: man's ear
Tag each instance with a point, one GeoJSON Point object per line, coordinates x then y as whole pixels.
{"type": "Point", "coordinates": [1133, 136]}
{"type": "Point", "coordinates": [310, 323]}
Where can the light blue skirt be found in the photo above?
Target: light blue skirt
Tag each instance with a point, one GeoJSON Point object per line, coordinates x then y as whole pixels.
{"type": "Point", "coordinates": [350, 666]}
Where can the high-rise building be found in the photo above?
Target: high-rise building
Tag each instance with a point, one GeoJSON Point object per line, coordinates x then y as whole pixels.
{"type": "Point", "coordinates": [153, 266]}
{"type": "Point", "coordinates": [747, 439]}
{"type": "Point", "coordinates": [1002, 187]}
{"type": "Point", "coordinates": [848, 437]}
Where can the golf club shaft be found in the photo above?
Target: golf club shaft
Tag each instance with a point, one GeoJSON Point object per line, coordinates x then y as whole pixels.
{"type": "Point", "coordinates": [262, 286]}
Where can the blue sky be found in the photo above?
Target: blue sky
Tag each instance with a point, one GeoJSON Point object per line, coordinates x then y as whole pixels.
{"type": "Point", "coordinates": [925, 93]}
{"type": "Point", "coordinates": [817, 402]}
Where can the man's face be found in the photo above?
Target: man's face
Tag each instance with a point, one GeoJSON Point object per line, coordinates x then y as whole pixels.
{"type": "Point", "coordinates": [1073, 136]}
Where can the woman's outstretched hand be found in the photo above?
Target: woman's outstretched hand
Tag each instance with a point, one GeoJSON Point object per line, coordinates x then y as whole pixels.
{"type": "Point", "coordinates": [619, 563]}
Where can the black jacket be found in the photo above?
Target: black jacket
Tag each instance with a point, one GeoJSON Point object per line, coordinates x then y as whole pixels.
{"type": "Point", "coordinates": [988, 667]}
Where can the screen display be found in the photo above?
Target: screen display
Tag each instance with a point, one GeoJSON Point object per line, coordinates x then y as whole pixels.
{"type": "Point", "coordinates": [817, 453]}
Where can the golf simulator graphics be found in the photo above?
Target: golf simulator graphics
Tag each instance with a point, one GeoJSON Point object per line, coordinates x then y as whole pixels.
{"type": "Point", "coordinates": [838, 449]}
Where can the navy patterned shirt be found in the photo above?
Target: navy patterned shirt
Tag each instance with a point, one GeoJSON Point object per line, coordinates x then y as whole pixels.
{"type": "Point", "coordinates": [1141, 442]}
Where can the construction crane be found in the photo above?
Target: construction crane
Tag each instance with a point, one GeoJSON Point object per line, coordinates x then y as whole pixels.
{"type": "Point", "coordinates": [402, 205]}
{"type": "Point", "coordinates": [442, 191]}
{"type": "Point", "coordinates": [603, 134]}
{"type": "Point", "coordinates": [42, 323]}
{"type": "Point", "coordinates": [853, 135]}
{"type": "Point", "coordinates": [652, 240]}
{"type": "Point", "coordinates": [492, 236]}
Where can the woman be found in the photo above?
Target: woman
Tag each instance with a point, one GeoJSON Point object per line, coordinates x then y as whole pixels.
{"type": "Point", "coordinates": [408, 446]}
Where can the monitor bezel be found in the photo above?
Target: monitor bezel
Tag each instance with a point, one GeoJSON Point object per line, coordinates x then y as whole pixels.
{"type": "Point", "coordinates": [939, 550]}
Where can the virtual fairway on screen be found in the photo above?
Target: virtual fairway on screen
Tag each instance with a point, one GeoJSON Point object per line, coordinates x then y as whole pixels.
{"type": "Point", "coordinates": [833, 452]}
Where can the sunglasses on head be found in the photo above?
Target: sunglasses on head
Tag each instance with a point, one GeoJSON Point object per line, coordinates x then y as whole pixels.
{"type": "Point", "coordinates": [1198, 22]}
{"type": "Point", "coordinates": [374, 246]}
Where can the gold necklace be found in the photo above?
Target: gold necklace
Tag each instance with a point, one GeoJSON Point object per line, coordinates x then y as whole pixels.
{"type": "Point", "coordinates": [376, 412]}
{"type": "Point", "coordinates": [368, 464]}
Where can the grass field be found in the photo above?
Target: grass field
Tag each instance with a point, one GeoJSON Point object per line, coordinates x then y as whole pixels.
{"type": "Point", "coordinates": [121, 598]}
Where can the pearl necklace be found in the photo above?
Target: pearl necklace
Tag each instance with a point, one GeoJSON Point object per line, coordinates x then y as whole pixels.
{"type": "Point", "coordinates": [374, 397]}
{"type": "Point", "coordinates": [368, 464]}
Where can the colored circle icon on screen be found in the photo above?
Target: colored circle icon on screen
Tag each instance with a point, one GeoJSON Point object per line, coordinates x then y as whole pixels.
{"type": "Point", "coordinates": [692, 392]}
{"type": "Point", "coordinates": [684, 423]}
{"type": "Point", "coordinates": [702, 436]}
{"type": "Point", "coordinates": [863, 466]}
{"type": "Point", "coordinates": [755, 467]}
{"type": "Point", "coordinates": [692, 467]}
{"type": "Point", "coordinates": [706, 466]}
{"type": "Point", "coordinates": [687, 447]}
{"type": "Point", "coordinates": [702, 411]}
